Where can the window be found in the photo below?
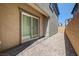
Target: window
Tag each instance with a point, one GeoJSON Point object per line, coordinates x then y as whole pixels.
{"type": "Point", "coordinates": [51, 8]}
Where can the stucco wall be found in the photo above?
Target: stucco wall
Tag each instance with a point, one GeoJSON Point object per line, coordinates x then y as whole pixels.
{"type": "Point", "coordinates": [10, 24]}
{"type": "Point", "coordinates": [52, 25]}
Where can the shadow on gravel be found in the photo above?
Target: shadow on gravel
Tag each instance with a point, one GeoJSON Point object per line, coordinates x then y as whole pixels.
{"type": "Point", "coordinates": [69, 48]}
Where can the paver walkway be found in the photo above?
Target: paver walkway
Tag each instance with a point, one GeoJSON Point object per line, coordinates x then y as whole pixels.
{"type": "Point", "coordinates": [52, 46]}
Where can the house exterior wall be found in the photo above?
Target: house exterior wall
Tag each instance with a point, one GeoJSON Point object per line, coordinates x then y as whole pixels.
{"type": "Point", "coordinates": [10, 24]}
{"type": "Point", "coordinates": [52, 25]}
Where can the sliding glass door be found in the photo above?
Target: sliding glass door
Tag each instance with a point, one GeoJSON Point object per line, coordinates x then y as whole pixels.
{"type": "Point", "coordinates": [30, 27]}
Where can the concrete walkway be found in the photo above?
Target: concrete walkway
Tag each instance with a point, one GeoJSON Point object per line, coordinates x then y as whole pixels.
{"type": "Point", "coordinates": [52, 46]}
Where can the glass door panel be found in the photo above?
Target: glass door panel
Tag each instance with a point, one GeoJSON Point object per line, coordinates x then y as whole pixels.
{"type": "Point", "coordinates": [26, 27]}
{"type": "Point", "coordinates": [34, 27]}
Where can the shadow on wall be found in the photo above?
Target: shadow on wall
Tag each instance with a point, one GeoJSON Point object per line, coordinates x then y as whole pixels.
{"type": "Point", "coordinates": [68, 46]}
{"type": "Point", "coordinates": [45, 25]}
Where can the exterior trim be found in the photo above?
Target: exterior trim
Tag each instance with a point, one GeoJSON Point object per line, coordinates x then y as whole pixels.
{"type": "Point", "coordinates": [74, 8]}
{"type": "Point", "coordinates": [29, 14]}
{"type": "Point", "coordinates": [35, 6]}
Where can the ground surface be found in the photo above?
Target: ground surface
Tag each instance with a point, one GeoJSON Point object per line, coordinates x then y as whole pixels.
{"type": "Point", "coordinates": [56, 45]}
{"type": "Point", "coordinates": [52, 46]}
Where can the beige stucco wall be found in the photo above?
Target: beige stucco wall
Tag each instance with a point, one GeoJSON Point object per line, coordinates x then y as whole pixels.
{"type": "Point", "coordinates": [52, 25]}
{"type": "Point", "coordinates": [10, 24]}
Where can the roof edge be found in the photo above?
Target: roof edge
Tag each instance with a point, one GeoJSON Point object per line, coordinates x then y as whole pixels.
{"type": "Point", "coordinates": [36, 7]}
